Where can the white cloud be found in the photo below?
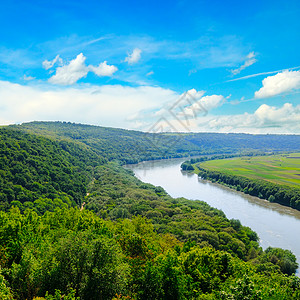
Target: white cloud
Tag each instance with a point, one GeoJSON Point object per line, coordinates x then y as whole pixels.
{"type": "Point", "coordinates": [181, 111]}
{"type": "Point", "coordinates": [150, 73]}
{"type": "Point", "coordinates": [112, 105]}
{"type": "Point", "coordinates": [49, 64]}
{"type": "Point", "coordinates": [204, 105]}
{"type": "Point", "coordinates": [28, 78]}
{"type": "Point", "coordinates": [134, 57]}
{"type": "Point", "coordinates": [71, 73]}
{"type": "Point", "coordinates": [107, 105]}
{"type": "Point", "coordinates": [77, 69]}
{"type": "Point", "coordinates": [280, 83]}
{"type": "Point", "coordinates": [211, 102]}
{"type": "Point", "coordinates": [103, 69]}
{"type": "Point", "coordinates": [261, 74]}
{"type": "Point", "coordinates": [266, 119]}
{"type": "Point", "coordinates": [250, 60]}
{"type": "Point", "coordinates": [195, 94]}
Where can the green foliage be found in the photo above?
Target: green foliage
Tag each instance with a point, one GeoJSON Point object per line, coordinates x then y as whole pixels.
{"type": "Point", "coordinates": [58, 296]}
{"type": "Point", "coordinates": [77, 255]}
{"type": "Point", "coordinates": [285, 259]}
{"type": "Point", "coordinates": [130, 240]}
{"type": "Point", "coordinates": [187, 166]}
{"type": "Point", "coordinates": [117, 190]}
{"type": "Point", "coordinates": [128, 146]}
{"type": "Point", "coordinates": [38, 173]}
{"type": "Point", "coordinates": [5, 292]}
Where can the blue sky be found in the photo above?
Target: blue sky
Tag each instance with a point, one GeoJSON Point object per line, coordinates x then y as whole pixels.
{"type": "Point", "coordinates": [126, 63]}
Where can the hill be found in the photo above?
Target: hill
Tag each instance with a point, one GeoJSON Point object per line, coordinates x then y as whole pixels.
{"type": "Point", "coordinates": [75, 224]}
{"type": "Point", "coordinates": [128, 146]}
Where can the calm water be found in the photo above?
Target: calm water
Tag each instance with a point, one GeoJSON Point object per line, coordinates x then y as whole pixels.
{"type": "Point", "coordinates": [276, 225]}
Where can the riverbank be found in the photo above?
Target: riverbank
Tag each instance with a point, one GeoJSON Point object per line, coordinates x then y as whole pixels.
{"type": "Point", "coordinates": [256, 176]}
{"type": "Point", "coordinates": [276, 228]}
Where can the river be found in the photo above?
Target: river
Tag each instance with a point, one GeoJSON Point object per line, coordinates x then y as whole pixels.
{"type": "Point", "coordinates": [276, 225]}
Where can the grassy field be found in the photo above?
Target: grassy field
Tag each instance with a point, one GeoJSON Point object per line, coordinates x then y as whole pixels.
{"type": "Point", "coordinates": [280, 169]}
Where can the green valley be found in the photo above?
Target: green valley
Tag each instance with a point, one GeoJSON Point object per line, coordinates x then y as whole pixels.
{"type": "Point", "coordinates": [75, 224]}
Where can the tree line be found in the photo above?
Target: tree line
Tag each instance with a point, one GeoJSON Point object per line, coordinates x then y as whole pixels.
{"type": "Point", "coordinates": [282, 194]}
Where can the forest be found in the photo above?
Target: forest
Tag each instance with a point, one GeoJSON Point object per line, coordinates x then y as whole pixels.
{"type": "Point", "coordinates": [128, 146]}
{"type": "Point", "coordinates": [75, 224]}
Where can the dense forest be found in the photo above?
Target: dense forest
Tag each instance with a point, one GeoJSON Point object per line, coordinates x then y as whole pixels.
{"type": "Point", "coordinates": [76, 225]}
{"type": "Point", "coordinates": [128, 146]}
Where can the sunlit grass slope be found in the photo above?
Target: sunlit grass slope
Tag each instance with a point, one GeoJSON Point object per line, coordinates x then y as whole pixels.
{"type": "Point", "coordinates": [279, 169]}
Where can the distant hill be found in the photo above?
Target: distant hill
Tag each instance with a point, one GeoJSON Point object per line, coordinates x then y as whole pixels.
{"type": "Point", "coordinates": [130, 146]}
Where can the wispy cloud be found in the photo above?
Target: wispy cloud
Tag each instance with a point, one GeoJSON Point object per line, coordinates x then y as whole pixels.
{"type": "Point", "coordinates": [48, 64]}
{"type": "Point", "coordinates": [28, 78]}
{"type": "Point", "coordinates": [68, 45]}
{"type": "Point", "coordinates": [250, 60]}
{"type": "Point", "coordinates": [204, 52]}
{"type": "Point", "coordinates": [134, 57]}
{"type": "Point", "coordinates": [261, 74]}
{"type": "Point", "coordinates": [18, 58]}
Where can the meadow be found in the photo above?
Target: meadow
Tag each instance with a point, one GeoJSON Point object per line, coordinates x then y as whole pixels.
{"type": "Point", "coordinates": [280, 169]}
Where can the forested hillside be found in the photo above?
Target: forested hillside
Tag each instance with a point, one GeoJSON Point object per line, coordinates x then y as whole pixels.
{"type": "Point", "coordinates": [74, 224]}
{"type": "Point", "coordinates": [38, 172]}
{"type": "Point", "coordinates": [130, 146]}
{"type": "Point", "coordinates": [126, 146]}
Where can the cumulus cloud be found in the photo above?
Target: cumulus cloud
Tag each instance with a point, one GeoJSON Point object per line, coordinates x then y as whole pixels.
{"type": "Point", "coordinates": [103, 69]}
{"type": "Point", "coordinates": [190, 118]}
{"type": "Point", "coordinates": [200, 103]}
{"type": "Point", "coordinates": [250, 60]}
{"type": "Point", "coordinates": [134, 57]}
{"type": "Point", "coordinates": [211, 102]}
{"type": "Point", "coordinates": [112, 105]}
{"type": "Point", "coordinates": [266, 119]}
{"type": "Point", "coordinates": [48, 64]}
{"type": "Point", "coordinates": [71, 73]}
{"type": "Point", "coordinates": [180, 113]}
{"type": "Point", "coordinates": [107, 105]}
{"type": "Point", "coordinates": [77, 69]}
{"type": "Point", "coordinates": [280, 83]}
